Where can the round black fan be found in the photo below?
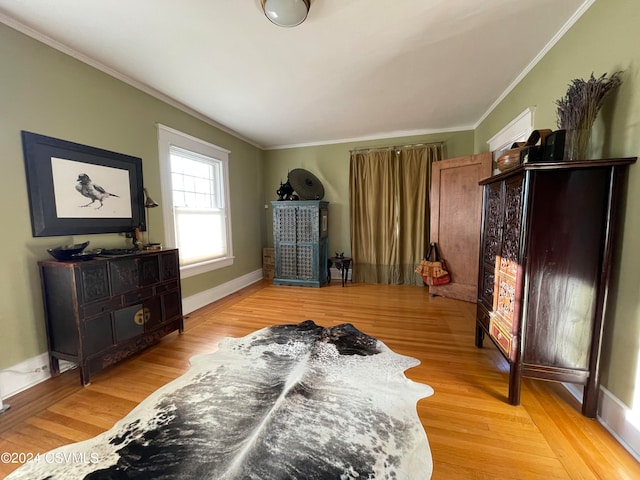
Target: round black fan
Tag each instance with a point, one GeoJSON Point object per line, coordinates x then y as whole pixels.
{"type": "Point", "coordinates": [306, 185]}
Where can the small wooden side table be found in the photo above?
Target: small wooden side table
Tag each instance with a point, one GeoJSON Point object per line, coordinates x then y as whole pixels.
{"type": "Point", "coordinates": [342, 264]}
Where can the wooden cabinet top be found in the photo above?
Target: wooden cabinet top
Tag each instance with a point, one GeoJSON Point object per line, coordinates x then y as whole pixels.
{"type": "Point", "coordinates": [293, 203]}
{"type": "Point", "coordinates": [103, 258]}
{"type": "Point", "coordinates": [565, 165]}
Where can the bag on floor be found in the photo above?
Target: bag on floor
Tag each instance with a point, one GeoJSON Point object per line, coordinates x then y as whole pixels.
{"type": "Point", "coordinates": [433, 272]}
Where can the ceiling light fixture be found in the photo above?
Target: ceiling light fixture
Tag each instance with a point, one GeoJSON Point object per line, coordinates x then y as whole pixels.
{"type": "Point", "coordinates": [286, 13]}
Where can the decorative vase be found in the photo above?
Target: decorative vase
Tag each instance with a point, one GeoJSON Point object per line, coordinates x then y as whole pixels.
{"type": "Point", "coordinates": [577, 144]}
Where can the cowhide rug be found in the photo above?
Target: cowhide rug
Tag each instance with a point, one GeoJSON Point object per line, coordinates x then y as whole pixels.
{"type": "Point", "coordinates": [286, 402]}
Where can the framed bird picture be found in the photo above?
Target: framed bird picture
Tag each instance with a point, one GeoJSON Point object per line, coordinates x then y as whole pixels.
{"type": "Point", "coordinates": [75, 189]}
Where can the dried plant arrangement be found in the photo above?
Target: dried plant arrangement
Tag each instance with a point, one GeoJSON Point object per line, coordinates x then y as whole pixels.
{"type": "Point", "coordinates": [578, 109]}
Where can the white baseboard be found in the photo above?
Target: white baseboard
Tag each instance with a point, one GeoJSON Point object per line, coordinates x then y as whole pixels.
{"type": "Point", "coordinates": [34, 370]}
{"type": "Point", "coordinates": [214, 294]}
{"type": "Point", "coordinates": [24, 375]}
{"type": "Point", "coordinates": [27, 373]}
{"type": "Point", "coordinates": [337, 274]}
{"type": "Point", "coordinates": [576, 390]}
{"type": "Point", "coordinates": [614, 416]}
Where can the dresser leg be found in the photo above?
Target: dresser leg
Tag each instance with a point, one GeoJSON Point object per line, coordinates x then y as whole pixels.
{"type": "Point", "coordinates": [479, 336]}
{"type": "Point", "coordinates": [590, 400]}
{"type": "Point", "coordinates": [514, 383]}
{"type": "Point", "coordinates": [85, 376]}
{"type": "Point", "coordinates": [54, 366]}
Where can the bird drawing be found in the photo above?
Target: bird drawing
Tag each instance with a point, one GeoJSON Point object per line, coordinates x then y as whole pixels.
{"type": "Point", "coordinates": [90, 190]}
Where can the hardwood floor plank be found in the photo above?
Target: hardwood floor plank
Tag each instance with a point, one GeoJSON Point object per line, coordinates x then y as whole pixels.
{"type": "Point", "coordinates": [473, 432]}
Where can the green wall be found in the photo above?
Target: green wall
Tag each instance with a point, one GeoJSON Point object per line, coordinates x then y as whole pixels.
{"type": "Point", "coordinates": [45, 91]}
{"type": "Point", "coordinates": [330, 163]}
{"type": "Point", "coordinates": [605, 39]}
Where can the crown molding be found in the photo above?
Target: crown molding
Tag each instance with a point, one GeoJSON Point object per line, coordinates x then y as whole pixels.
{"type": "Point", "coordinates": [555, 39]}
{"type": "Point", "coordinates": [377, 136]}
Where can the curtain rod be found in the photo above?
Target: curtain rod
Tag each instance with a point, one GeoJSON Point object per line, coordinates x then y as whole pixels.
{"type": "Point", "coordinates": [394, 147]}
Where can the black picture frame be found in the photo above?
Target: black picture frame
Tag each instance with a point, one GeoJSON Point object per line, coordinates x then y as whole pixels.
{"type": "Point", "coordinates": [60, 204]}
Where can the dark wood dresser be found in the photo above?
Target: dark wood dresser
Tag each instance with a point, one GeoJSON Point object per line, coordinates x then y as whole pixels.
{"type": "Point", "coordinates": [101, 311]}
{"type": "Point", "coordinates": [546, 254]}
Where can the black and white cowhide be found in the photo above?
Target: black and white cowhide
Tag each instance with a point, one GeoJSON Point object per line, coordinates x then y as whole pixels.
{"type": "Point", "coordinates": [286, 402]}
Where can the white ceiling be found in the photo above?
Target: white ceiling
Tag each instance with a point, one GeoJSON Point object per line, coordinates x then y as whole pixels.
{"type": "Point", "coordinates": [354, 70]}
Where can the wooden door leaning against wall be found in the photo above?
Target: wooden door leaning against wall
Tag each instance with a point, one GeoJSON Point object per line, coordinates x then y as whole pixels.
{"type": "Point", "coordinates": [456, 212]}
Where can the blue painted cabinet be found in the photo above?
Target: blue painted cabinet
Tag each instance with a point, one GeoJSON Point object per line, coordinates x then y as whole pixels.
{"type": "Point", "coordinates": [301, 242]}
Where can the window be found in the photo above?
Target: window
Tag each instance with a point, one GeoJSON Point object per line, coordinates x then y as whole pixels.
{"type": "Point", "coordinates": [194, 177]}
{"type": "Point", "coordinates": [517, 130]}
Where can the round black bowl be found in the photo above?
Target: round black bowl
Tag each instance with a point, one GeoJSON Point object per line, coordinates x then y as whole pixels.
{"type": "Point", "coordinates": [67, 252]}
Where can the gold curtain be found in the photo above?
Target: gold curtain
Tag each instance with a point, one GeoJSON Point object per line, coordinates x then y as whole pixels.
{"type": "Point", "coordinates": [389, 211]}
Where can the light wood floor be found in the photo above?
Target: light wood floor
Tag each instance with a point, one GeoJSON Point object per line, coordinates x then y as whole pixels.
{"type": "Point", "coordinates": [473, 432]}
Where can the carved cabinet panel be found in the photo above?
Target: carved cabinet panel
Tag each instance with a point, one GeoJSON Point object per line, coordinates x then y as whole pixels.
{"type": "Point", "coordinates": [509, 250]}
{"type": "Point", "coordinates": [492, 226]}
{"type": "Point", "coordinates": [508, 259]}
{"type": "Point", "coordinates": [548, 246]}
{"type": "Point", "coordinates": [301, 244]}
{"type": "Point", "coordinates": [499, 260]}
{"type": "Point", "coordinates": [95, 282]}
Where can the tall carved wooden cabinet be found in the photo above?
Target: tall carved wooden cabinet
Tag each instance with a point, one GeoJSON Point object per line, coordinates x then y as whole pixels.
{"type": "Point", "coordinates": [301, 242]}
{"type": "Point", "coordinates": [545, 261]}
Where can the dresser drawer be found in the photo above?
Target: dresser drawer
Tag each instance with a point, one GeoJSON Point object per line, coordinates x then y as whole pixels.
{"type": "Point", "coordinates": [96, 308]}
{"type": "Point", "coordinates": [505, 340]}
{"type": "Point", "coordinates": [138, 295]}
{"type": "Point", "coordinates": [166, 287]}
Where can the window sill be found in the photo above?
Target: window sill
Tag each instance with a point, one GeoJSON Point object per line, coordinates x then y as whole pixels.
{"type": "Point", "coordinates": [203, 267]}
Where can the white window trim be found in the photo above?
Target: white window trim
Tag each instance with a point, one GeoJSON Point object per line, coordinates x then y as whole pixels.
{"type": "Point", "coordinates": [519, 128]}
{"type": "Point", "coordinates": [168, 136]}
